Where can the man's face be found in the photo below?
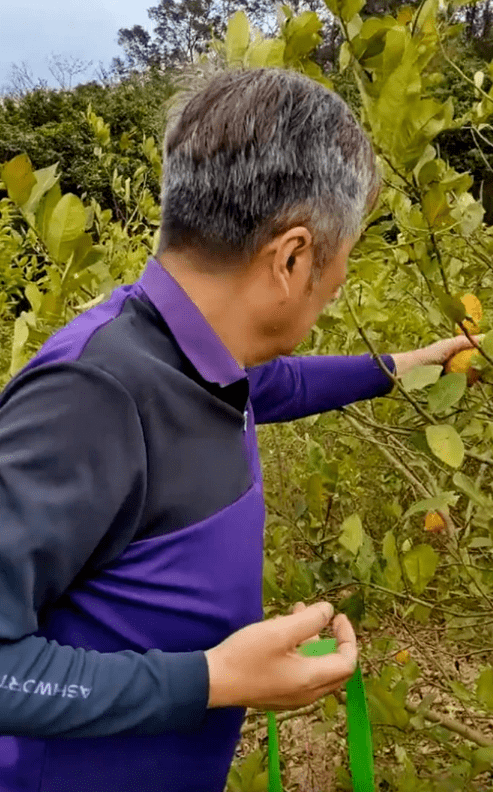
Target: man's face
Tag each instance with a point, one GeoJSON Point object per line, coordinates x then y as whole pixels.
{"type": "Point", "coordinates": [295, 321]}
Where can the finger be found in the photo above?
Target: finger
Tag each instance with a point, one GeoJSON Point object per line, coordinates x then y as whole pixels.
{"type": "Point", "coordinates": [462, 344]}
{"type": "Point", "coordinates": [466, 343]}
{"type": "Point", "coordinates": [341, 665]}
{"type": "Point", "coordinates": [299, 607]}
{"type": "Point", "coordinates": [346, 639]}
{"type": "Point", "coordinates": [308, 622]}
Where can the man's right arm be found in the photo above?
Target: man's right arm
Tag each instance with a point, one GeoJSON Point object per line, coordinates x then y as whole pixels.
{"type": "Point", "coordinates": [48, 690]}
{"type": "Point", "coordinates": [73, 471]}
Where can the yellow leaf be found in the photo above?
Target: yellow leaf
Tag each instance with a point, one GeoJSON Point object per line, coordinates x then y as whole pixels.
{"type": "Point", "coordinates": [403, 656]}
{"type": "Point", "coordinates": [237, 37]}
{"type": "Point", "coordinates": [19, 178]}
{"type": "Point", "coordinates": [434, 522]}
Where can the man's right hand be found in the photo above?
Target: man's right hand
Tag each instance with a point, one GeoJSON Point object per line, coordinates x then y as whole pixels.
{"type": "Point", "coordinates": [260, 667]}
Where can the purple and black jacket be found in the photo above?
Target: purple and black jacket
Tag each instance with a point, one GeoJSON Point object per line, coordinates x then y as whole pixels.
{"type": "Point", "coordinates": [131, 538]}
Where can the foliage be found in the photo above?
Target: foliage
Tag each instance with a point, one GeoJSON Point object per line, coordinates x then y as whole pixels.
{"type": "Point", "coordinates": [51, 126]}
{"type": "Point", "coordinates": [58, 251]}
{"type": "Point", "coordinates": [378, 556]}
{"type": "Point", "coordinates": [346, 491]}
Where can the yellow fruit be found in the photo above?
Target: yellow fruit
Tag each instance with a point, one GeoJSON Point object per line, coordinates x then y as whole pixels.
{"type": "Point", "coordinates": [403, 656]}
{"type": "Point", "coordinates": [435, 523]}
{"type": "Point", "coordinates": [475, 311]}
{"type": "Point", "coordinates": [461, 364]}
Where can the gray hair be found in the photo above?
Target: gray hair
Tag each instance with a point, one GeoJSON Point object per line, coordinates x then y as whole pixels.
{"type": "Point", "coordinates": [255, 152]}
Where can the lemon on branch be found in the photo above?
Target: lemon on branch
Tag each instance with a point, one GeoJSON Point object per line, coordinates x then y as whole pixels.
{"type": "Point", "coordinates": [461, 364]}
{"type": "Point", "coordinates": [474, 310]}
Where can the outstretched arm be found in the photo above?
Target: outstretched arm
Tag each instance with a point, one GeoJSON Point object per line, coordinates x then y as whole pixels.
{"type": "Point", "coordinates": [291, 387]}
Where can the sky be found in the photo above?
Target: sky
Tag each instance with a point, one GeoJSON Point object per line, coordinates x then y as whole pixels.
{"type": "Point", "coordinates": [31, 30]}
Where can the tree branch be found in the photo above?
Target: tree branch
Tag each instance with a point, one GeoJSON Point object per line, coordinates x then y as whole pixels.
{"type": "Point", "coordinates": [473, 735]}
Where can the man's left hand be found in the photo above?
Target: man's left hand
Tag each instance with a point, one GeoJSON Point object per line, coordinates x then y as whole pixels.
{"type": "Point", "coordinates": [435, 354]}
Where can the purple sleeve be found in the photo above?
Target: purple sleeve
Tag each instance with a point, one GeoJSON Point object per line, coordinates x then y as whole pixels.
{"type": "Point", "coordinates": [291, 387]}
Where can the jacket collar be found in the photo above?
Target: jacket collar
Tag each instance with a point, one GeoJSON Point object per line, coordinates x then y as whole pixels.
{"type": "Point", "coordinates": [193, 334]}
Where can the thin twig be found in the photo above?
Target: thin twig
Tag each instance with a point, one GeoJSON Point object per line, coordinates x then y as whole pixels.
{"type": "Point", "coordinates": [473, 735]}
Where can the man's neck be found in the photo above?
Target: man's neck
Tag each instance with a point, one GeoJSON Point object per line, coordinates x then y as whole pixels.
{"type": "Point", "coordinates": [215, 301]}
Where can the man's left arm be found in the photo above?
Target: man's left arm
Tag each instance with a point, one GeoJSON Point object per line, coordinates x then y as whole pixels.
{"type": "Point", "coordinates": [291, 387]}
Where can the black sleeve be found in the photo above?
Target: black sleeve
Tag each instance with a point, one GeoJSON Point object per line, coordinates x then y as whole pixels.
{"type": "Point", "coordinates": [72, 478]}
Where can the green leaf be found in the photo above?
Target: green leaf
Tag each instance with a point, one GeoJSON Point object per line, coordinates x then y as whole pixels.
{"type": "Point", "coordinates": [45, 210]}
{"type": "Point", "coordinates": [21, 334]}
{"type": "Point", "coordinates": [432, 170]}
{"type": "Point", "coordinates": [315, 493]}
{"type": "Point", "coordinates": [346, 9]}
{"type": "Point", "coordinates": [67, 223]}
{"type": "Point", "coordinates": [440, 503]}
{"type": "Point", "coordinates": [421, 613]}
{"type": "Point", "coordinates": [330, 706]}
{"type": "Point", "coordinates": [34, 296]}
{"type": "Point", "coordinates": [313, 70]}
{"type": "Point", "coordinates": [260, 782]}
{"type": "Point", "coordinates": [460, 690]}
{"type": "Point", "coordinates": [354, 607]}
{"type": "Point", "coordinates": [452, 306]}
{"type": "Point", "coordinates": [349, 8]}
{"type": "Point", "coordinates": [418, 440]}
{"type": "Point", "coordinates": [330, 474]}
{"type": "Point", "coordinates": [46, 178]}
{"type": "Point", "coordinates": [250, 768]}
{"type": "Point", "coordinates": [469, 488]}
{"type": "Point", "coordinates": [469, 213]}
{"type": "Point", "coordinates": [482, 760]}
{"type": "Point", "coordinates": [480, 541]}
{"type": "Point", "coordinates": [266, 54]}
{"type": "Point", "coordinates": [271, 589]}
{"type": "Point", "coordinates": [395, 43]}
{"type": "Point", "coordinates": [484, 688]}
{"type": "Point", "coordinates": [344, 56]}
{"type": "Point", "coordinates": [421, 376]}
{"type": "Point", "coordinates": [366, 558]}
{"type": "Point", "coordinates": [434, 205]}
{"type": "Point", "coordinates": [392, 572]}
{"type": "Point", "coordinates": [352, 534]}
{"type": "Point", "coordinates": [237, 37]}
{"type": "Point", "coordinates": [234, 781]}
{"type": "Point", "coordinates": [487, 343]}
{"type": "Point", "coordinates": [19, 178]}
{"type": "Point", "coordinates": [302, 35]}
{"type": "Point", "coordinates": [420, 564]}
{"type": "Point", "coordinates": [446, 444]}
{"type": "Point", "coordinates": [429, 8]}
{"type": "Point", "coordinates": [384, 707]}
{"type": "Point", "coordinates": [446, 392]}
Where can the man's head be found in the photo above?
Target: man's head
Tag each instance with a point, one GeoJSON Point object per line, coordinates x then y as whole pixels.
{"type": "Point", "coordinates": [267, 178]}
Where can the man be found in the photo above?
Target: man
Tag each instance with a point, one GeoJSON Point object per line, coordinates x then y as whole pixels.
{"type": "Point", "coordinates": [131, 498]}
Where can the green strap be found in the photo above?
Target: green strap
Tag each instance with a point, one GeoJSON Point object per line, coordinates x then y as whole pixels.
{"type": "Point", "coordinates": [274, 769]}
{"type": "Point", "coordinates": [358, 725]}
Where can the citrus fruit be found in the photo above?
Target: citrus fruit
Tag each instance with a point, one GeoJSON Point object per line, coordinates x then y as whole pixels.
{"type": "Point", "coordinates": [461, 364]}
{"type": "Point", "coordinates": [475, 311]}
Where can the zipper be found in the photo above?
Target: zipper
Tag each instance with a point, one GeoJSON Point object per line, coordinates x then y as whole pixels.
{"type": "Point", "coordinates": [245, 416]}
